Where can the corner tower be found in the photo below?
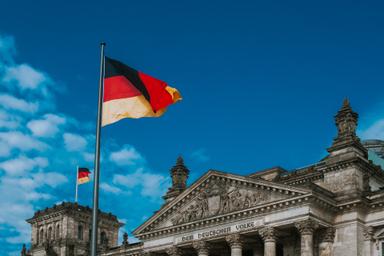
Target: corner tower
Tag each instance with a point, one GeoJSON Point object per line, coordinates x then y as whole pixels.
{"type": "Point", "coordinates": [64, 230]}
{"type": "Point", "coordinates": [179, 174]}
{"type": "Point", "coordinates": [346, 140]}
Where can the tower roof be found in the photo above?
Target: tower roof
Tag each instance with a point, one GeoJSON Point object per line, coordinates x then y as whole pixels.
{"type": "Point", "coordinates": [346, 121]}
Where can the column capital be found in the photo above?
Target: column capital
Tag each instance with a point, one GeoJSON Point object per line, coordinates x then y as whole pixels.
{"type": "Point", "coordinates": [268, 234]}
{"type": "Point", "coordinates": [201, 246]}
{"type": "Point", "coordinates": [234, 240]}
{"type": "Point", "coordinates": [306, 227]}
{"type": "Point", "coordinates": [174, 251]}
{"type": "Point", "coordinates": [328, 235]}
{"type": "Point", "coordinates": [368, 234]}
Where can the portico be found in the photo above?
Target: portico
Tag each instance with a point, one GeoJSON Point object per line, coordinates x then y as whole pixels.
{"type": "Point", "coordinates": [266, 240]}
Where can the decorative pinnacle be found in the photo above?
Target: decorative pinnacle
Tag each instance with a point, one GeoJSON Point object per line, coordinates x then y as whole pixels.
{"type": "Point", "coordinates": [346, 103]}
{"type": "Point", "coordinates": [180, 161]}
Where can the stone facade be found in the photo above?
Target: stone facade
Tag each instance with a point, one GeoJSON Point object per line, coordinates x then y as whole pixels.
{"type": "Point", "coordinates": [65, 230]}
{"type": "Point", "coordinates": [334, 207]}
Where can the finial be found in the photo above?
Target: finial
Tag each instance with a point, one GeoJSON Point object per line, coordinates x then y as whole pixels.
{"type": "Point", "coordinates": [346, 102]}
{"type": "Point", "coordinates": [125, 239]}
{"type": "Point", "coordinates": [180, 161]}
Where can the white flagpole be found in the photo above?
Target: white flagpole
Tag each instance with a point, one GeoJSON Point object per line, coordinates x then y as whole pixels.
{"type": "Point", "coordinates": [77, 183]}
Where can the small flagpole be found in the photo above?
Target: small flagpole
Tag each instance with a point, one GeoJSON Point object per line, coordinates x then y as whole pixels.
{"type": "Point", "coordinates": [77, 183]}
{"type": "Point", "coordinates": [97, 155]}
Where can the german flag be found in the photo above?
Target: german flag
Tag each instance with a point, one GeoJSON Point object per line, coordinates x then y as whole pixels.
{"type": "Point", "coordinates": [129, 93]}
{"type": "Point", "coordinates": [83, 175]}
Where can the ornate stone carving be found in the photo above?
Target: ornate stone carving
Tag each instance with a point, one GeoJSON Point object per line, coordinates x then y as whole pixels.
{"type": "Point", "coordinates": [234, 240]}
{"type": "Point", "coordinates": [368, 234]}
{"type": "Point", "coordinates": [327, 235]}
{"type": "Point", "coordinates": [268, 234]}
{"type": "Point", "coordinates": [346, 122]}
{"type": "Point", "coordinates": [306, 227]}
{"type": "Point", "coordinates": [174, 251]}
{"type": "Point", "coordinates": [202, 247]}
{"type": "Point", "coordinates": [125, 239]}
{"type": "Point", "coordinates": [221, 198]}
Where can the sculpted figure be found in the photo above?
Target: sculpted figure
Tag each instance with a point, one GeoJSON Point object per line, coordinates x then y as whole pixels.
{"type": "Point", "coordinates": [236, 200]}
{"type": "Point", "coordinates": [202, 203]}
{"type": "Point", "coordinates": [225, 203]}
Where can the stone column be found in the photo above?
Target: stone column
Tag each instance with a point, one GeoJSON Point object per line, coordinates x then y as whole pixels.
{"type": "Point", "coordinates": [326, 242]}
{"type": "Point", "coordinates": [201, 247]}
{"type": "Point", "coordinates": [236, 244]}
{"type": "Point", "coordinates": [368, 240]}
{"type": "Point", "coordinates": [268, 234]}
{"type": "Point", "coordinates": [174, 251]}
{"type": "Point", "coordinates": [306, 229]}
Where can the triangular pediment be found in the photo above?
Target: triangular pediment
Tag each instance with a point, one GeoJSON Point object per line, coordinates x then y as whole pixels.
{"type": "Point", "coordinates": [217, 194]}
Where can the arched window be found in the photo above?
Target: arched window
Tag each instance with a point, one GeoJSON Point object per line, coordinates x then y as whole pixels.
{"type": "Point", "coordinates": [37, 236]}
{"type": "Point", "coordinates": [103, 238]}
{"type": "Point", "coordinates": [41, 239]}
{"type": "Point", "coordinates": [80, 232]}
{"type": "Point", "coordinates": [57, 231]}
{"type": "Point", "coordinates": [50, 234]}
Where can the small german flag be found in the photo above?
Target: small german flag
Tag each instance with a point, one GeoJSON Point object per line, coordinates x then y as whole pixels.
{"type": "Point", "coordinates": [129, 93]}
{"type": "Point", "coordinates": [83, 175]}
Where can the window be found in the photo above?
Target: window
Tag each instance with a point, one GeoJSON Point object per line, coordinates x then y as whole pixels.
{"type": "Point", "coordinates": [57, 231]}
{"type": "Point", "coordinates": [49, 233]}
{"type": "Point", "coordinates": [80, 232]}
{"type": "Point", "coordinates": [103, 238]}
{"type": "Point", "coordinates": [41, 239]}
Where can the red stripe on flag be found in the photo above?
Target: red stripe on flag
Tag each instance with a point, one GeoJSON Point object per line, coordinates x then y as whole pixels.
{"type": "Point", "coordinates": [159, 96]}
{"type": "Point", "coordinates": [119, 87]}
{"type": "Point", "coordinates": [82, 175]}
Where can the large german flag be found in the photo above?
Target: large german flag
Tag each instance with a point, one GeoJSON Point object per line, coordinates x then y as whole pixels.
{"type": "Point", "coordinates": [129, 93]}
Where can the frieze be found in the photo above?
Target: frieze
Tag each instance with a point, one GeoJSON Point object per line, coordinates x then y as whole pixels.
{"type": "Point", "coordinates": [222, 231]}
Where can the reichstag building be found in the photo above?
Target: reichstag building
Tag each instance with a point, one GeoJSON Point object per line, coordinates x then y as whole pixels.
{"type": "Point", "coordinates": [332, 207]}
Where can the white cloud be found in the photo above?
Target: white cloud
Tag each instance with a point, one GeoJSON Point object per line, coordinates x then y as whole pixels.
{"type": "Point", "coordinates": [88, 157]}
{"type": "Point", "coordinates": [8, 121]}
{"type": "Point", "coordinates": [200, 155]}
{"type": "Point", "coordinates": [23, 142]}
{"type": "Point", "coordinates": [52, 179]}
{"type": "Point", "coordinates": [24, 76]}
{"type": "Point", "coordinates": [375, 131]}
{"type": "Point", "coordinates": [74, 142]}
{"type": "Point", "coordinates": [5, 149]}
{"type": "Point", "coordinates": [150, 184]}
{"type": "Point", "coordinates": [13, 103]}
{"type": "Point", "coordinates": [110, 189]}
{"type": "Point", "coordinates": [46, 127]}
{"type": "Point", "coordinates": [128, 155]}
{"type": "Point", "coordinates": [21, 165]}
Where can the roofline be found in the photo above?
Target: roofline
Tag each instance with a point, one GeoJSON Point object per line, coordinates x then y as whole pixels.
{"type": "Point", "coordinates": [202, 178]}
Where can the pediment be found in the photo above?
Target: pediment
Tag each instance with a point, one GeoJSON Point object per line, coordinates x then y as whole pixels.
{"type": "Point", "coordinates": [217, 194]}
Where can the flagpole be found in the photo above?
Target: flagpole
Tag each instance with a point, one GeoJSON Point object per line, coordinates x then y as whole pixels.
{"type": "Point", "coordinates": [77, 183]}
{"type": "Point", "coordinates": [97, 156]}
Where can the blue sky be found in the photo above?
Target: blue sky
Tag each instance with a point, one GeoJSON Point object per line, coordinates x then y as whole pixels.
{"type": "Point", "coordinates": [261, 82]}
